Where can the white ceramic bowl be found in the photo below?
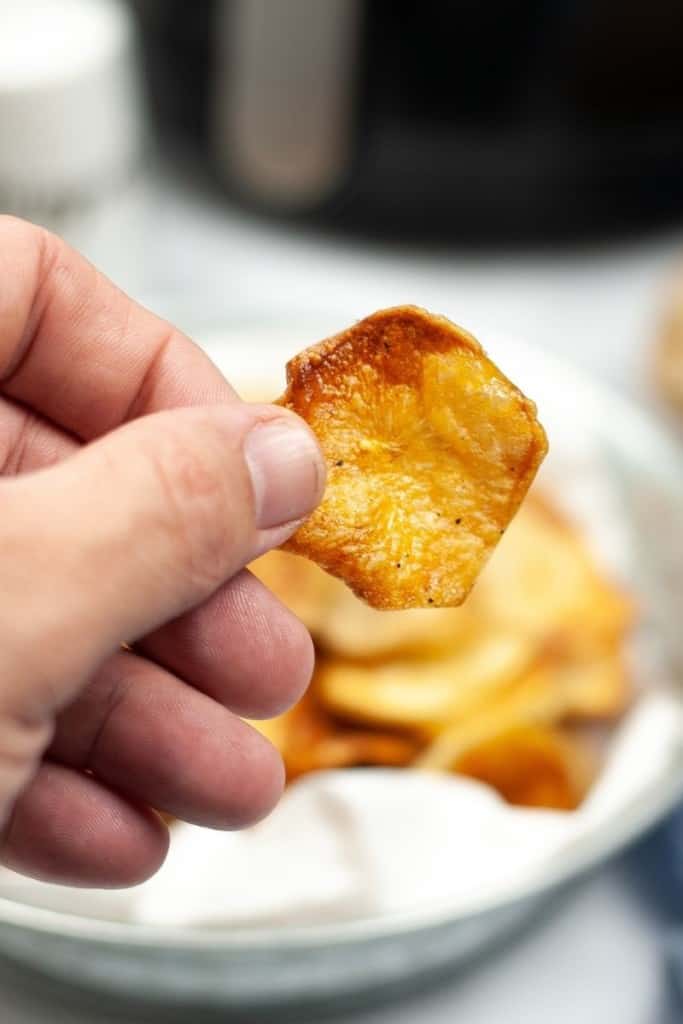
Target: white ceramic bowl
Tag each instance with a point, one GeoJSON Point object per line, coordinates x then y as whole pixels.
{"type": "Point", "coordinates": [249, 967]}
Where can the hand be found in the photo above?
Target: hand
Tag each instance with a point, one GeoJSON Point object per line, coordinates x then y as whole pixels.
{"type": "Point", "coordinates": [124, 521]}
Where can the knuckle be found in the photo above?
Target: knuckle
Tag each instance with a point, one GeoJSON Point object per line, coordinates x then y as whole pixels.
{"type": "Point", "coordinates": [22, 742]}
{"type": "Point", "coordinates": [15, 450]}
{"type": "Point", "coordinates": [42, 246]}
{"type": "Point", "coordinates": [16, 227]}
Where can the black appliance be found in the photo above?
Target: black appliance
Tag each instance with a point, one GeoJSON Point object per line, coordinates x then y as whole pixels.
{"type": "Point", "coordinates": [456, 119]}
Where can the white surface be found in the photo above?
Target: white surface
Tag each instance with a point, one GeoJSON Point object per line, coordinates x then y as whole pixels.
{"type": "Point", "coordinates": [41, 40]}
{"type": "Point", "coordinates": [597, 958]}
{"type": "Point", "coordinates": [70, 117]}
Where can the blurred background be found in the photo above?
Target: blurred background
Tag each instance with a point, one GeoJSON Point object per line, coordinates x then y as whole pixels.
{"type": "Point", "coordinates": [515, 166]}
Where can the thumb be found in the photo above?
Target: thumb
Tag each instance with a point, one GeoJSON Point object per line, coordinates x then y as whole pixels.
{"type": "Point", "coordinates": [136, 528]}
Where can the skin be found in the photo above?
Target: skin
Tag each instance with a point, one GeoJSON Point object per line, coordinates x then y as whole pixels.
{"type": "Point", "coordinates": [128, 515]}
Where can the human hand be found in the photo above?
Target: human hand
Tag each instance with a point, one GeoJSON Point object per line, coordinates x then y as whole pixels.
{"type": "Point", "coordinates": [123, 521]}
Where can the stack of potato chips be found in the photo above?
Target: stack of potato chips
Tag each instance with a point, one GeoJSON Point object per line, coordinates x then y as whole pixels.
{"type": "Point", "coordinates": [506, 689]}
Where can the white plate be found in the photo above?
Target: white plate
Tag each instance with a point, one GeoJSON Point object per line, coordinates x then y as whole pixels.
{"type": "Point", "coordinates": [295, 964]}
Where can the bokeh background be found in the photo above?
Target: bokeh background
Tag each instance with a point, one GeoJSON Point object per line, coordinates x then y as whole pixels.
{"type": "Point", "coordinates": [516, 166]}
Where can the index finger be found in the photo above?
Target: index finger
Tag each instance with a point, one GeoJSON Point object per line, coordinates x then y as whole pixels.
{"type": "Point", "coordinates": [78, 350]}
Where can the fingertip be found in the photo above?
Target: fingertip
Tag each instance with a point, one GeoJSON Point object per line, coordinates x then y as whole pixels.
{"type": "Point", "coordinates": [272, 667]}
{"type": "Point", "coordinates": [69, 829]}
{"type": "Point", "coordinates": [152, 842]}
{"type": "Point", "coordinates": [163, 744]}
{"type": "Point", "coordinates": [260, 785]}
{"type": "Point", "coordinates": [286, 668]}
{"type": "Point", "coordinates": [286, 469]}
{"type": "Point", "coordinates": [268, 791]}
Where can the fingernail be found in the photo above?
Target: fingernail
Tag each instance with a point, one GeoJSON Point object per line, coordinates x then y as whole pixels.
{"type": "Point", "coordinates": [287, 471]}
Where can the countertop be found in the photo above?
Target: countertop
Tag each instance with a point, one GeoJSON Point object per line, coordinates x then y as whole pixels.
{"type": "Point", "coordinates": [186, 253]}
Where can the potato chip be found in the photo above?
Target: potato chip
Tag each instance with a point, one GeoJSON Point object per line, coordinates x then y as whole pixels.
{"type": "Point", "coordinates": [430, 450]}
{"type": "Point", "coordinates": [355, 630]}
{"type": "Point", "coordinates": [343, 624]}
{"type": "Point", "coordinates": [533, 766]}
{"type": "Point", "coordinates": [555, 690]}
{"type": "Point", "coordinates": [601, 688]}
{"type": "Point", "coordinates": [423, 694]}
{"type": "Point", "coordinates": [303, 724]}
{"type": "Point", "coordinates": [505, 689]}
{"type": "Point", "coordinates": [310, 740]}
{"type": "Point", "coordinates": [541, 696]}
{"type": "Point", "coordinates": [347, 748]}
{"type": "Point", "coordinates": [276, 730]}
{"type": "Point", "coordinates": [543, 580]}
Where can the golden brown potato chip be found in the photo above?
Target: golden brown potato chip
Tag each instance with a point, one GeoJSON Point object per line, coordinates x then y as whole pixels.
{"type": "Point", "coordinates": [348, 748]}
{"type": "Point", "coordinates": [492, 690]}
{"type": "Point", "coordinates": [601, 688]}
{"type": "Point", "coordinates": [533, 766]}
{"type": "Point", "coordinates": [429, 448]}
{"type": "Point", "coordinates": [424, 694]}
{"type": "Point", "coordinates": [542, 580]}
{"type": "Point", "coordinates": [310, 740]}
{"type": "Point", "coordinates": [276, 730]}
{"type": "Point", "coordinates": [555, 690]}
{"type": "Point", "coordinates": [343, 624]}
{"type": "Point", "coordinates": [355, 630]}
{"type": "Point", "coordinates": [303, 724]}
{"type": "Point", "coordinates": [542, 696]}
